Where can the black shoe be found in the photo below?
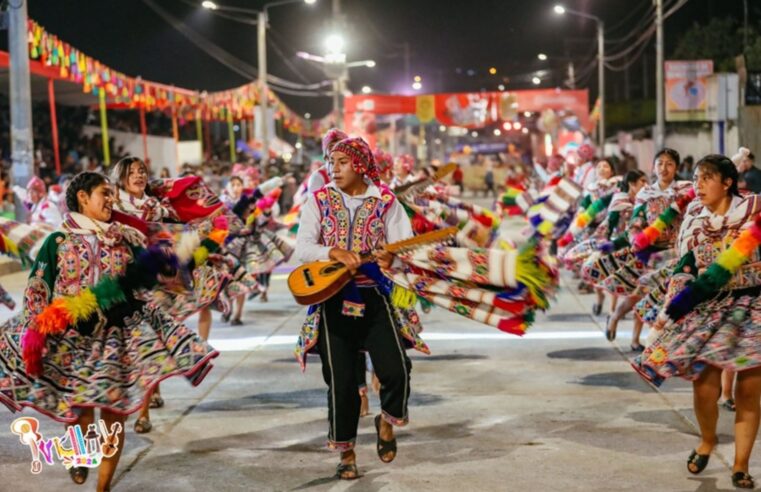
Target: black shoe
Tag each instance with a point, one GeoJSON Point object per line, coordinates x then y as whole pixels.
{"type": "Point", "coordinates": [639, 348]}
{"type": "Point", "coordinates": [699, 460]}
{"type": "Point", "coordinates": [226, 317]}
{"type": "Point", "coordinates": [610, 335]}
{"type": "Point", "coordinates": [78, 474]}
{"type": "Point", "coordinates": [384, 448]}
{"type": "Point", "coordinates": [347, 471]}
{"type": "Point", "coordinates": [597, 309]}
{"type": "Point", "coordinates": [236, 322]}
{"type": "Point", "coordinates": [742, 480]}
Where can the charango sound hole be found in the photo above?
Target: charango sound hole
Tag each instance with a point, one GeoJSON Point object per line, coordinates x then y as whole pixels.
{"type": "Point", "coordinates": [329, 269]}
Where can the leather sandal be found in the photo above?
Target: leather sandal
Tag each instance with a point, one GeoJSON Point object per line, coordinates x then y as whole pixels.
{"type": "Point", "coordinates": [78, 474]}
{"type": "Point", "coordinates": [699, 460]}
{"type": "Point", "coordinates": [742, 480]}
{"type": "Point", "coordinates": [143, 425]}
{"type": "Point", "coordinates": [156, 401]}
{"type": "Point", "coordinates": [347, 471]}
{"type": "Point", "coordinates": [384, 448]}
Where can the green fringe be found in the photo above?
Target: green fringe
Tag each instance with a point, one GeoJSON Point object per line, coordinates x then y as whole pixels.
{"type": "Point", "coordinates": [621, 242]}
{"type": "Point", "coordinates": [210, 245]}
{"type": "Point", "coordinates": [108, 292]}
{"type": "Point", "coordinates": [687, 260]}
{"type": "Point", "coordinates": [613, 219]}
{"type": "Point", "coordinates": [669, 215]}
{"type": "Point", "coordinates": [585, 202]}
{"type": "Point", "coordinates": [639, 212]}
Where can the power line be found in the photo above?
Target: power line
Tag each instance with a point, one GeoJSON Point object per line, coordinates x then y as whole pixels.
{"type": "Point", "coordinates": [234, 63]}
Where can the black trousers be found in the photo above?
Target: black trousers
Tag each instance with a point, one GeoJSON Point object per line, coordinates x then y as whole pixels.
{"type": "Point", "coordinates": [341, 338]}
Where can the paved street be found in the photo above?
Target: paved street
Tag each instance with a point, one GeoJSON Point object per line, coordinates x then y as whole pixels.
{"type": "Point", "coordinates": [559, 409]}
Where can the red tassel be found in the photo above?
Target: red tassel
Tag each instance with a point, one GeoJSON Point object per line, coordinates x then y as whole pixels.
{"type": "Point", "coordinates": [513, 326]}
{"type": "Point", "coordinates": [565, 240]}
{"type": "Point", "coordinates": [484, 220]}
{"type": "Point", "coordinates": [683, 200]}
{"type": "Point", "coordinates": [32, 346]}
{"type": "Point", "coordinates": [514, 307]}
{"type": "Point", "coordinates": [421, 225]}
{"type": "Point", "coordinates": [220, 222]}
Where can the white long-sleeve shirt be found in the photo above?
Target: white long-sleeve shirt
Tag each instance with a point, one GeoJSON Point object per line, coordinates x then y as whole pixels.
{"type": "Point", "coordinates": [308, 246]}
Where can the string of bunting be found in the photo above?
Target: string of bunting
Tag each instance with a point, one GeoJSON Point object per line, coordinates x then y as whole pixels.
{"type": "Point", "coordinates": [134, 92]}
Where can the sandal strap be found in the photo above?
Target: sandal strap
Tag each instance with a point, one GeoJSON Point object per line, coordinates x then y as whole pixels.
{"type": "Point", "coordinates": [347, 468]}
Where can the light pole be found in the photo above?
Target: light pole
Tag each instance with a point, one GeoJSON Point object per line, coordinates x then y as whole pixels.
{"type": "Point", "coordinates": [660, 124]}
{"type": "Point", "coordinates": [336, 67]}
{"type": "Point", "coordinates": [560, 10]}
{"type": "Point", "coordinates": [261, 42]}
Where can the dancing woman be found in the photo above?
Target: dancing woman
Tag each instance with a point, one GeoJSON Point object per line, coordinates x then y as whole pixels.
{"type": "Point", "coordinates": [723, 332]}
{"type": "Point", "coordinates": [100, 363]}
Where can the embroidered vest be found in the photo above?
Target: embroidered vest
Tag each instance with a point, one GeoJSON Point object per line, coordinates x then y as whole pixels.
{"type": "Point", "coordinates": [363, 234]}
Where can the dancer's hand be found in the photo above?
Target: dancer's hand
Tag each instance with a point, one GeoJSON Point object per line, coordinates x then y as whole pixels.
{"type": "Point", "coordinates": [384, 258]}
{"type": "Point", "coordinates": [350, 259]}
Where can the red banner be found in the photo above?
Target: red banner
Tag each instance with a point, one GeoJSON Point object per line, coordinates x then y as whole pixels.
{"type": "Point", "coordinates": [474, 109]}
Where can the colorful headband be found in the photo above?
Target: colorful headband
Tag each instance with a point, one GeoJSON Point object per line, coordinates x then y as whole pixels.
{"type": "Point", "coordinates": [362, 160]}
{"type": "Point", "coordinates": [586, 152]}
{"type": "Point", "coordinates": [383, 161]}
{"type": "Point", "coordinates": [407, 162]}
{"type": "Point", "coordinates": [332, 137]}
{"type": "Point", "coordinates": [36, 184]}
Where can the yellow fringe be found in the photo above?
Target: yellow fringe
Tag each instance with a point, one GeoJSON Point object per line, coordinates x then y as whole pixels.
{"type": "Point", "coordinates": [200, 255]}
{"type": "Point", "coordinates": [545, 227]}
{"type": "Point", "coordinates": [533, 276]}
{"type": "Point", "coordinates": [81, 307]}
{"type": "Point", "coordinates": [402, 298]}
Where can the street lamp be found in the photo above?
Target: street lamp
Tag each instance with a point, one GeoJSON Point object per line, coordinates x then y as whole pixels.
{"type": "Point", "coordinates": [366, 89]}
{"type": "Point", "coordinates": [334, 44]}
{"type": "Point", "coordinates": [542, 56]}
{"type": "Point", "coordinates": [417, 86]}
{"type": "Point", "coordinates": [261, 41]}
{"type": "Point", "coordinates": [560, 10]}
{"type": "Point", "coordinates": [336, 67]}
{"type": "Point", "coordinates": [536, 80]}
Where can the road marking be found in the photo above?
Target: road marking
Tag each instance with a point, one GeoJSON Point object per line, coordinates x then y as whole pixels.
{"type": "Point", "coordinates": [249, 343]}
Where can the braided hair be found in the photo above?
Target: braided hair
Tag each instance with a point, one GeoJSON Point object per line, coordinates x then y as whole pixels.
{"type": "Point", "coordinates": [85, 181]}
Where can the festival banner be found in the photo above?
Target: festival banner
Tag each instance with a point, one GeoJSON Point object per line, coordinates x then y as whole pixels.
{"type": "Point", "coordinates": [686, 88]}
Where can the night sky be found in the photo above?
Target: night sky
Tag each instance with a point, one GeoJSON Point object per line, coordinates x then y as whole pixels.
{"type": "Point", "coordinates": [452, 43]}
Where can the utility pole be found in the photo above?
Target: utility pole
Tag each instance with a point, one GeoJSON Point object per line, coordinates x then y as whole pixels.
{"type": "Point", "coordinates": [601, 82]}
{"type": "Point", "coordinates": [571, 76]}
{"type": "Point", "coordinates": [406, 62]}
{"type": "Point", "coordinates": [340, 80]}
{"type": "Point", "coordinates": [261, 40]}
{"type": "Point", "coordinates": [659, 116]}
{"type": "Point", "coordinates": [745, 25]}
{"type": "Point", "coordinates": [22, 145]}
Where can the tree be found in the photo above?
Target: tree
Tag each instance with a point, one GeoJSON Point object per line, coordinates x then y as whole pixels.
{"type": "Point", "coordinates": [721, 40]}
